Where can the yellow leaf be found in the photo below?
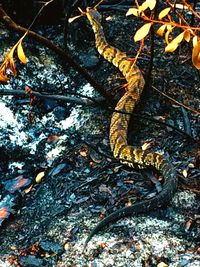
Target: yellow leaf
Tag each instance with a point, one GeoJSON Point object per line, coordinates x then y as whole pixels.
{"type": "Point", "coordinates": [196, 54]}
{"type": "Point", "coordinates": [133, 11]}
{"type": "Point", "coordinates": [171, 47]}
{"type": "Point", "coordinates": [20, 53]}
{"type": "Point", "coordinates": [194, 40]}
{"type": "Point", "coordinates": [151, 4]}
{"type": "Point", "coordinates": [142, 32]}
{"type": "Point", "coordinates": [161, 30]}
{"type": "Point", "coordinates": [164, 12]}
{"type": "Point", "coordinates": [169, 30]}
{"type": "Point", "coordinates": [187, 35]}
{"type": "Point", "coordinates": [144, 6]}
{"type": "Point", "coordinates": [39, 177]}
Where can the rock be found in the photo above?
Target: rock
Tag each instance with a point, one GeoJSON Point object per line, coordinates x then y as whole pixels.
{"type": "Point", "coordinates": [31, 261]}
{"type": "Point", "coordinates": [59, 113]}
{"type": "Point", "coordinates": [51, 247]}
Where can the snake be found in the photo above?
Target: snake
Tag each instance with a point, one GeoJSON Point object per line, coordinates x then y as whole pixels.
{"type": "Point", "coordinates": [118, 136]}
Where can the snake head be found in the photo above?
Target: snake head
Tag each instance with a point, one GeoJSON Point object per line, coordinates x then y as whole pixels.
{"type": "Point", "coordinates": [93, 15]}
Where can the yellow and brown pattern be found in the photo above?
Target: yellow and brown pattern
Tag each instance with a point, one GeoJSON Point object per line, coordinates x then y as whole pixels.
{"type": "Point", "coordinates": [127, 154]}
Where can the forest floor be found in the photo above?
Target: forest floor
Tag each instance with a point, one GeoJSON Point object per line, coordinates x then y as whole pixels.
{"type": "Point", "coordinates": [50, 219]}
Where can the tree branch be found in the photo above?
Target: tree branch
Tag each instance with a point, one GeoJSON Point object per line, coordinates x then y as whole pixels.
{"type": "Point", "coordinates": [12, 25]}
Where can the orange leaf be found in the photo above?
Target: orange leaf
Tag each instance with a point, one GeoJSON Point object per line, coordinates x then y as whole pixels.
{"type": "Point", "coordinates": [171, 47]}
{"type": "Point", "coordinates": [20, 53]}
{"type": "Point", "coordinates": [4, 213]}
{"type": "Point", "coordinates": [164, 12]}
{"type": "Point", "coordinates": [12, 66]}
{"type": "Point", "coordinates": [187, 35]}
{"type": "Point", "coordinates": [133, 11]}
{"type": "Point", "coordinates": [142, 32]}
{"type": "Point", "coordinates": [196, 54]}
{"type": "Point", "coordinates": [161, 30]}
{"type": "Point", "coordinates": [195, 40]}
{"type": "Point", "coordinates": [3, 78]}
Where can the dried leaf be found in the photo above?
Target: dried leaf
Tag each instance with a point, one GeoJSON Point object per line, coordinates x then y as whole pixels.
{"type": "Point", "coordinates": [171, 47]}
{"type": "Point", "coordinates": [187, 35]}
{"type": "Point", "coordinates": [4, 213]}
{"type": "Point", "coordinates": [142, 32]}
{"type": "Point", "coordinates": [189, 224]}
{"type": "Point", "coordinates": [3, 78]}
{"type": "Point", "coordinates": [162, 264]}
{"type": "Point", "coordinates": [12, 66]}
{"type": "Point", "coordinates": [70, 20]}
{"type": "Point", "coordinates": [161, 30]}
{"type": "Point", "coordinates": [16, 184]}
{"type": "Point", "coordinates": [146, 145]}
{"type": "Point", "coordinates": [185, 174]}
{"type": "Point", "coordinates": [52, 138]}
{"type": "Point", "coordinates": [84, 151]}
{"type": "Point", "coordinates": [181, 6]}
{"type": "Point", "coordinates": [39, 177]}
{"type": "Point", "coordinates": [20, 53]}
{"type": "Point", "coordinates": [164, 12]}
{"type": "Point", "coordinates": [133, 11]}
{"type": "Point", "coordinates": [196, 54]}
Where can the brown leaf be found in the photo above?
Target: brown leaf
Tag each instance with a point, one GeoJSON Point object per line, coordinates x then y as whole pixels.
{"type": "Point", "coordinates": [142, 32]}
{"type": "Point", "coordinates": [187, 35]}
{"type": "Point", "coordinates": [84, 151]}
{"type": "Point", "coordinates": [3, 77]}
{"type": "Point", "coordinates": [52, 138]}
{"type": "Point", "coordinates": [4, 213]}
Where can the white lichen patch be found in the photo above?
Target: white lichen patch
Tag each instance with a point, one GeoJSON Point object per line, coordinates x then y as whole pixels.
{"type": "Point", "coordinates": [25, 135]}
{"type": "Point", "coordinates": [185, 199]}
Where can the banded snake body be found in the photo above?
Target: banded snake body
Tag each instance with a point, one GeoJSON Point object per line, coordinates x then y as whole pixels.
{"type": "Point", "coordinates": [129, 155]}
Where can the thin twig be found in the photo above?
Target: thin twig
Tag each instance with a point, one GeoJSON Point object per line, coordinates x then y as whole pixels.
{"type": "Point", "coordinates": [177, 102]}
{"type": "Point", "coordinates": [74, 100]}
{"type": "Point", "coordinates": [85, 101]}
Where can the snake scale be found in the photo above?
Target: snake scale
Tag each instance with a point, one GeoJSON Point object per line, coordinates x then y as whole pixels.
{"type": "Point", "coordinates": [127, 154]}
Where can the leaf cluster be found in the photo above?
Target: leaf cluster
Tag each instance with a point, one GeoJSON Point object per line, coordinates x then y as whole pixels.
{"type": "Point", "coordinates": [9, 62]}
{"type": "Point", "coordinates": [166, 21]}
